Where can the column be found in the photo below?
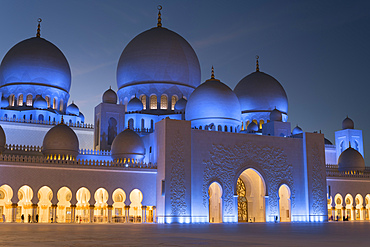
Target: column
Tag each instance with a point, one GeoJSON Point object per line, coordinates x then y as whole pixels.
{"type": "Point", "coordinates": [333, 213]}
{"type": "Point", "coordinates": [54, 213]}
{"type": "Point", "coordinates": [154, 214]}
{"type": "Point", "coordinates": [127, 208]}
{"type": "Point", "coordinates": [73, 213]}
{"type": "Point", "coordinates": [343, 213]}
{"type": "Point", "coordinates": [14, 212]}
{"type": "Point", "coordinates": [143, 214]}
{"type": "Point", "coordinates": [353, 213]}
{"type": "Point", "coordinates": [110, 208]}
{"type": "Point", "coordinates": [34, 213]}
{"type": "Point", "coordinates": [91, 213]}
{"type": "Point", "coordinates": [362, 215]}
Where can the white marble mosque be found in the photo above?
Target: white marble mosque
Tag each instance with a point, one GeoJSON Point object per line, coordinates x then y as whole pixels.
{"type": "Point", "coordinates": [166, 147]}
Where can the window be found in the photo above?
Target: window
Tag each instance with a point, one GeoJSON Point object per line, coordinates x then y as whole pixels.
{"type": "Point", "coordinates": [41, 117]}
{"type": "Point", "coordinates": [61, 105]}
{"type": "Point", "coordinates": [131, 124]}
{"type": "Point", "coordinates": [173, 102]}
{"type": "Point", "coordinates": [142, 124]}
{"type": "Point", "coordinates": [152, 124]}
{"type": "Point", "coordinates": [153, 102]}
{"type": "Point", "coordinates": [20, 100]}
{"type": "Point", "coordinates": [219, 128]}
{"type": "Point", "coordinates": [143, 100]}
{"type": "Point", "coordinates": [261, 122]}
{"type": "Point", "coordinates": [29, 100]}
{"type": "Point", "coordinates": [47, 100]}
{"type": "Point", "coordinates": [97, 133]}
{"type": "Point", "coordinates": [164, 102]}
{"type": "Point", "coordinates": [55, 103]}
{"type": "Point", "coordinates": [11, 100]}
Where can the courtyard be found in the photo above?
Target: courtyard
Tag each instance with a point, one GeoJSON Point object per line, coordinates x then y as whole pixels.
{"type": "Point", "coordinates": [245, 234]}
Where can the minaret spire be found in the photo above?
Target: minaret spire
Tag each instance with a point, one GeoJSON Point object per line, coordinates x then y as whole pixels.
{"type": "Point", "coordinates": [213, 73]}
{"type": "Point", "coordinates": [257, 65]}
{"type": "Point", "coordinates": [159, 24]}
{"type": "Point", "coordinates": [38, 28]}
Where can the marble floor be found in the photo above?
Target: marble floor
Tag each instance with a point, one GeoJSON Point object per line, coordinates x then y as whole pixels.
{"type": "Point", "coordinates": [246, 234]}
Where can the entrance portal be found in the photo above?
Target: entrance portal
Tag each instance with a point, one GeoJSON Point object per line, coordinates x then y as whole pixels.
{"type": "Point", "coordinates": [251, 197]}
{"type": "Point", "coordinates": [284, 203]}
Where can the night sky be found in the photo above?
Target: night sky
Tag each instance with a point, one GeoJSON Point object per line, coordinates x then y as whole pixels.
{"type": "Point", "coordinates": [318, 50]}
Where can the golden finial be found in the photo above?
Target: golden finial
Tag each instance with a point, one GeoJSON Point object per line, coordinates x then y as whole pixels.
{"type": "Point", "coordinates": [38, 28]}
{"type": "Point", "coordinates": [213, 73]}
{"type": "Point", "coordinates": [257, 65]}
{"type": "Point", "coordinates": [62, 120]}
{"type": "Point", "coordinates": [159, 24]}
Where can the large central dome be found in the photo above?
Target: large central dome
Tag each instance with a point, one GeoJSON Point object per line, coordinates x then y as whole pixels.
{"type": "Point", "coordinates": [158, 55]}
{"type": "Point", "coordinates": [35, 61]}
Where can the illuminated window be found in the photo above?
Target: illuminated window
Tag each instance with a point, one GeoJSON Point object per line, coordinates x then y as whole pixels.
{"type": "Point", "coordinates": [255, 121]}
{"type": "Point", "coordinates": [61, 105]}
{"type": "Point", "coordinates": [55, 103]}
{"type": "Point", "coordinates": [29, 100]}
{"type": "Point", "coordinates": [173, 102]}
{"type": "Point", "coordinates": [20, 100]}
{"type": "Point", "coordinates": [143, 100]}
{"type": "Point", "coordinates": [47, 100]}
{"type": "Point", "coordinates": [153, 102]}
{"type": "Point", "coordinates": [164, 102]}
{"type": "Point", "coordinates": [261, 122]}
{"type": "Point", "coordinates": [131, 124]}
{"type": "Point", "coordinates": [11, 100]}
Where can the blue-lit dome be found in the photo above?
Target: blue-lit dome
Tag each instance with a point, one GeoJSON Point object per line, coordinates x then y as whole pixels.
{"type": "Point", "coordinates": [40, 103]}
{"type": "Point", "coordinates": [297, 130]}
{"type": "Point", "coordinates": [158, 55]}
{"type": "Point", "coordinates": [82, 117]}
{"type": "Point", "coordinates": [276, 115]}
{"type": "Point", "coordinates": [72, 109]}
{"type": "Point", "coordinates": [181, 104]}
{"type": "Point", "coordinates": [348, 123]}
{"type": "Point", "coordinates": [35, 61]}
{"type": "Point", "coordinates": [260, 92]}
{"type": "Point", "coordinates": [252, 127]}
{"type": "Point", "coordinates": [213, 101]}
{"type": "Point", "coordinates": [134, 105]}
{"type": "Point", "coordinates": [128, 144]}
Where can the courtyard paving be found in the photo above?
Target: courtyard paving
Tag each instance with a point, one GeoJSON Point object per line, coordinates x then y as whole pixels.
{"type": "Point", "coordinates": [247, 234]}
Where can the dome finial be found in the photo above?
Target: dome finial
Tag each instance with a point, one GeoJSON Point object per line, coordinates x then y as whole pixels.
{"type": "Point", "coordinates": [38, 28]}
{"type": "Point", "coordinates": [213, 73]}
{"type": "Point", "coordinates": [62, 120]}
{"type": "Point", "coordinates": [257, 65]}
{"type": "Point", "coordinates": [159, 24]}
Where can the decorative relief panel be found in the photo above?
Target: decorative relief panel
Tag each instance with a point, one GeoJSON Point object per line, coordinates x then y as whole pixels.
{"type": "Point", "coordinates": [318, 183]}
{"type": "Point", "coordinates": [226, 161]}
{"type": "Point", "coordinates": [177, 182]}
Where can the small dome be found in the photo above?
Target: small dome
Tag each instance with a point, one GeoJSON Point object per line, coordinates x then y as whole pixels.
{"type": "Point", "coordinates": [351, 160]}
{"type": "Point", "coordinates": [62, 140]}
{"type": "Point", "coordinates": [348, 123]}
{"type": "Point", "coordinates": [134, 105]}
{"type": "Point", "coordinates": [252, 127]}
{"type": "Point", "coordinates": [276, 115]}
{"type": "Point", "coordinates": [128, 144]}
{"type": "Point", "coordinates": [181, 104]}
{"type": "Point", "coordinates": [4, 102]}
{"type": "Point", "coordinates": [2, 140]}
{"type": "Point", "coordinates": [110, 97]}
{"type": "Point", "coordinates": [297, 130]}
{"type": "Point", "coordinates": [72, 109]}
{"type": "Point", "coordinates": [82, 117]}
{"type": "Point", "coordinates": [35, 61]}
{"type": "Point", "coordinates": [40, 103]}
{"type": "Point", "coordinates": [327, 142]}
{"type": "Point", "coordinates": [213, 100]}
{"type": "Point", "coordinates": [261, 92]}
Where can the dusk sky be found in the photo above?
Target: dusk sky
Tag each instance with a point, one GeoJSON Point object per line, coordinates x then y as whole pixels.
{"type": "Point", "coordinates": [318, 50]}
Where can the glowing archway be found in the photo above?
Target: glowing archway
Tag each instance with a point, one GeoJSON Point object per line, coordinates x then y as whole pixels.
{"type": "Point", "coordinates": [82, 206]}
{"type": "Point", "coordinates": [349, 213]}
{"type": "Point", "coordinates": [119, 197]}
{"type": "Point", "coordinates": [45, 195]}
{"type": "Point", "coordinates": [285, 203]}
{"type": "Point", "coordinates": [251, 192]}
{"type": "Point", "coordinates": [25, 195]}
{"type": "Point", "coordinates": [215, 203]}
{"type": "Point", "coordinates": [6, 195]}
{"type": "Point", "coordinates": [64, 212]}
{"type": "Point", "coordinates": [136, 197]}
{"type": "Point", "coordinates": [359, 207]}
{"type": "Point", "coordinates": [101, 206]}
{"type": "Point", "coordinates": [338, 199]}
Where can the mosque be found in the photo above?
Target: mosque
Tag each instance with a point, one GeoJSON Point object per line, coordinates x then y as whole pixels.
{"type": "Point", "coordinates": [166, 148]}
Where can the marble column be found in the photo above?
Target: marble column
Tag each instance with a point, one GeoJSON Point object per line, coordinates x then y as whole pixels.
{"type": "Point", "coordinates": [110, 208]}
{"type": "Point", "coordinates": [14, 212]}
{"type": "Point", "coordinates": [34, 213]}
{"type": "Point", "coordinates": [73, 213]}
{"type": "Point", "coordinates": [91, 213]}
{"type": "Point", "coordinates": [154, 214]}
{"type": "Point", "coordinates": [127, 216]}
{"type": "Point", "coordinates": [143, 214]}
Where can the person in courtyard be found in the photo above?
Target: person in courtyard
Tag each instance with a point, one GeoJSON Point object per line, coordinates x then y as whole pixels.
{"type": "Point", "coordinates": [29, 218]}
{"type": "Point", "coordinates": [37, 218]}
{"type": "Point", "coordinates": [22, 218]}
{"type": "Point", "coordinates": [3, 218]}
